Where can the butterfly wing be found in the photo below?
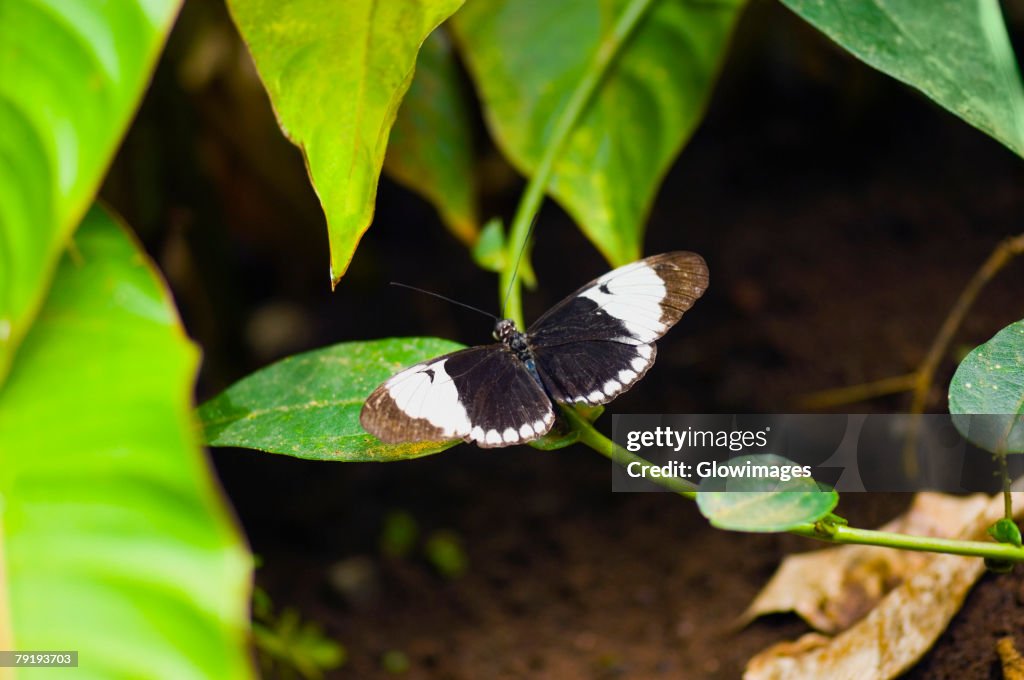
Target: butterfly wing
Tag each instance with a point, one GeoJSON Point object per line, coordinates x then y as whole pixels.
{"type": "Point", "coordinates": [481, 394]}
{"type": "Point", "coordinates": [599, 341]}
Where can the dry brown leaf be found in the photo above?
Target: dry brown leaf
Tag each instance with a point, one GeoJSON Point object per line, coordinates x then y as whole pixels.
{"type": "Point", "coordinates": [832, 588]}
{"type": "Point", "coordinates": [1013, 664]}
{"type": "Point", "coordinates": [897, 632]}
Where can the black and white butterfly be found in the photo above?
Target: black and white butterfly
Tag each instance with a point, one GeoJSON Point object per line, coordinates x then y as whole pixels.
{"type": "Point", "coordinates": [588, 349]}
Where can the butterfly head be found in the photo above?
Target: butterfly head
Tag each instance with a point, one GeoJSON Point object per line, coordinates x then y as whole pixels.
{"type": "Point", "coordinates": [505, 330]}
{"type": "Point", "coordinates": [506, 333]}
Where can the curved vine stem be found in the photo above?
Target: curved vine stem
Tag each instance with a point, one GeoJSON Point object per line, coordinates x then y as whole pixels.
{"type": "Point", "coordinates": [529, 204]}
{"type": "Point", "coordinates": [996, 261]}
{"type": "Point", "coordinates": [920, 381]}
{"type": "Point", "coordinates": [612, 451]}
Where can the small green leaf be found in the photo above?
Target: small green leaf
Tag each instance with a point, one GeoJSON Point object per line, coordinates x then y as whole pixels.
{"type": "Point", "coordinates": [114, 536]}
{"type": "Point", "coordinates": [291, 644]}
{"type": "Point", "coordinates": [766, 503]}
{"type": "Point", "coordinates": [444, 550]}
{"type": "Point", "coordinates": [957, 53]}
{"type": "Point", "coordinates": [399, 535]}
{"type": "Point", "coordinates": [336, 73]}
{"type": "Point", "coordinates": [308, 405]}
{"type": "Point", "coordinates": [323, 651]}
{"type": "Point", "coordinates": [73, 72]}
{"type": "Point", "coordinates": [1006, 531]}
{"type": "Point", "coordinates": [986, 395]}
{"type": "Point", "coordinates": [527, 57]}
{"type": "Point", "coordinates": [395, 662]}
{"type": "Point", "coordinates": [431, 147]}
{"type": "Point", "coordinates": [489, 251]}
{"type": "Point", "coordinates": [262, 607]}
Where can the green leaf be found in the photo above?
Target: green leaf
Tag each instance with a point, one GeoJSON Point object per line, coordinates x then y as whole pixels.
{"type": "Point", "coordinates": [73, 72]}
{"type": "Point", "coordinates": [395, 662]}
{"type": "Point", "coordinates": [291, 644]}
{"type": "Point", "coordinates": [527, 57]}
{"type": "Point", "coordinates": [308, 405]}
{"type": "Point", "coordinates": [958, 54]}
{"type": "Point", "coordinates": [116, 540]}
{"type": "Point", "coordinates": [1005, 530]}
{"type": "Point", "coordinates": [763, 504]}
{"type": "Point", "coordinates": [431, 147]}
{"type": "Point", "coordinates": [399, 534]}
{"type": "Point", "coordinates": [986, 395]}
{"type": "Point", "coordinates": [444, 550]}
{"type": "Point", "coordinates": [336, 73]}
{"type": "Point", "coordinates": [489, 251]}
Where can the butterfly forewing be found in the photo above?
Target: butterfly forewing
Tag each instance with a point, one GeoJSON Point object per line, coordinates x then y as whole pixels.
{"type": "Point", "coordinates": [599, 341]}
{"type": "Point", "coordinates": [481, 394]}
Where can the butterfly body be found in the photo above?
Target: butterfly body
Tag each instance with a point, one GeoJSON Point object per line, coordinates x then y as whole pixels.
{"type": "Point", "coordinates": [589, 348]}
{"type": "Point", "coordinates": [518, 343]}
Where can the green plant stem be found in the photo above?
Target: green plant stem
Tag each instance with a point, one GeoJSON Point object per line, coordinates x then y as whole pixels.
{"type": "Point", "coordinates": [826, 531]}
{"type": "Point", "coordinates": [609, 449]}
{"type": "Point", "coordinates": [529, 204]}
{"type": "Point", "coordinates": [887, 539]}
{"type": "Point", "coordinates": [1004, 473]}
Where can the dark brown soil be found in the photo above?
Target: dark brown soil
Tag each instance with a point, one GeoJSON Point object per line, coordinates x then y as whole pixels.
{"type": "Point", "coordinates": [840, 215]}
{"type": "Point", "coordinates": [994, 609]}
{"type": "Point", "coordinates": [566, 580]}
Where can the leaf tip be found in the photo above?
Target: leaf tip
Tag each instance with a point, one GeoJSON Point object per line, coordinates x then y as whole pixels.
{"type": "Point", "coordinates": [335, 277]}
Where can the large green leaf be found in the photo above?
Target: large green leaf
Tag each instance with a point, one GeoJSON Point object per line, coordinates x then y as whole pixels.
{"type": "Point", "coordinates": [308, 405]}
{"type": "Point", "coordinates": [116, 541]}
{"type": "Point", "coordinates": [431, 147]}
{"type": "Point", "coordinates": [986, 395]}
{"type": "Point", "coordinates": [71, 74]}
{"type": "Point", "coordinates": [336, 73]}
{"type": "Point", "coordinates": [526, 57]}
{"type": "Point", "coordinates": [763, 504]}
{"type": "Point", "coordinates": [956, 52]}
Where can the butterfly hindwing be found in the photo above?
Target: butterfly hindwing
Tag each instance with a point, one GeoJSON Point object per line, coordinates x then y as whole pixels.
{"type": "Point", "coordinates": [599, 341]}
{"type": "Point", "coordinates": [481, 394]}
{"type": "Point", "coordinates": [593, 371]}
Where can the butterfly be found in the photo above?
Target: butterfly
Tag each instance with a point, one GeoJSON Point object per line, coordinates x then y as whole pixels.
{"type": "Point", "coordinates": [588, 349]}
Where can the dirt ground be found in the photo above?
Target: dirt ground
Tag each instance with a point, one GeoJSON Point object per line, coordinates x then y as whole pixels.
{"type": "Point", "coordinates": [840, 215]}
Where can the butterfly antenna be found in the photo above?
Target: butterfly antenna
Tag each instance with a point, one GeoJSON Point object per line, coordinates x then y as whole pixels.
{"type": "Point", "coordinates": [515, 269]}
{"type": "Point", "coordinates": [447, 299]}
